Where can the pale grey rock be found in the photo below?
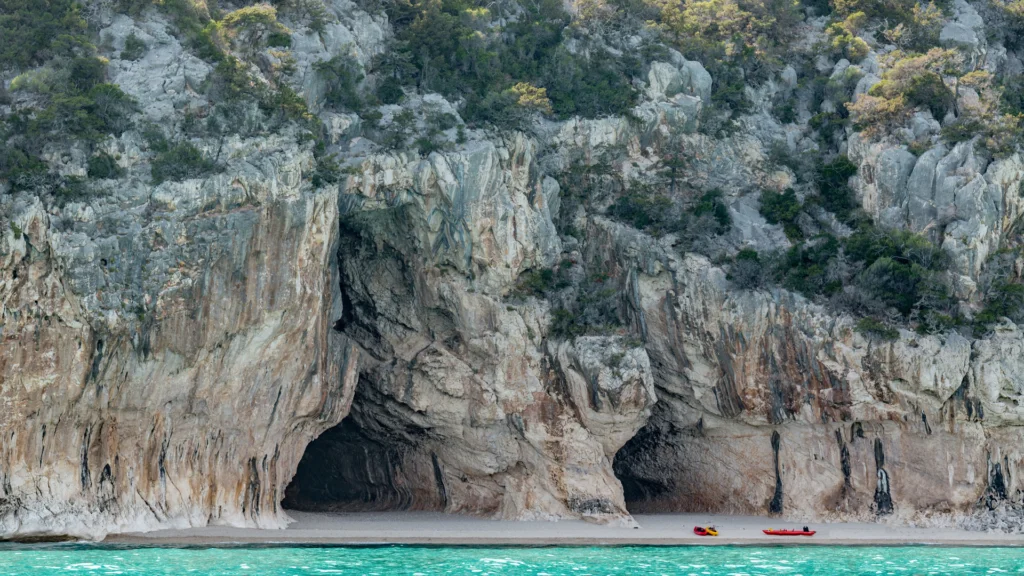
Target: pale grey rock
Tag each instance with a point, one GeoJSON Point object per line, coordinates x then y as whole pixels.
{"type": "Point", "coordinates": [664, 81]}
{"type": "Point", "coordinates": [865, 84]}
{"type": "Point", "coordinates": [340, 127]}
{"type": "Point", "coordinates": [921, 210]}
{"type": "Point", "coordinates": [750, 229]}
{"type": "Point", "coordinates": [789, 77]}
{"type": "Point", "coordinates": [167, 78]}
{"type": "Point", "coordinates": [611, 386]}
{"type": "Point", "coordinates": [733, 368]}
{"type": "Point", "coordinates": [965, 31]}
{"type": "Point", "coordinates": [178, 346]}
{"type": "Point", "coordinates": [869, 65]}
{"type": "Point", "coordinates": [696, 79]}
{"type": "Point", "coordinates": [891, 174]}
{"type": "Point", "coordinates": [352, 32]}
{"type": "Point", "coordinates": [923, 126]}
{"type": "Point", "coordinates": [507, 424]}
{"type": "Point", "coordinates": [955, 194]}
{"type": "Point", "coordinates": [956, 34]}
{"type": "Point", "coordinates": [839, 69]}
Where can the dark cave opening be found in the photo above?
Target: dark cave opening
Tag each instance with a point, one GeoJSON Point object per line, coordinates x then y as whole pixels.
{"type": "Point", "coordinates": [639, 466]}
{"type": "Point", "coordinates": [367, 463]}
{"type": "Point", "coordinates": [344, 470]}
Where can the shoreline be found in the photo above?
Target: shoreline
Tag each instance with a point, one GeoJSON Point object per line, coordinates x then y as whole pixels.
{"type": "Point", "coordinates": [438, 529]}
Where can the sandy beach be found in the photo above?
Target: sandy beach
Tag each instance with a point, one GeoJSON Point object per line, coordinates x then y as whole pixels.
{"type": "Point", "coordinates": [663, 529]}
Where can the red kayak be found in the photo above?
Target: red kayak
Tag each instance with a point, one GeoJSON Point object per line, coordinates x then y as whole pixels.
{"type": "Point", "coordinates": [701, 531]}
{"type": "Point", "coordinates": [774, 532]}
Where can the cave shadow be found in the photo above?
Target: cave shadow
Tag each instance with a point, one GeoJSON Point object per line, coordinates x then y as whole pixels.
{"type": "Point", "coordinates": [344, 470]}
{"type": "Point", "coordinates": [366, 464]}
{"type": "Point", "coordinates": [639, 489]}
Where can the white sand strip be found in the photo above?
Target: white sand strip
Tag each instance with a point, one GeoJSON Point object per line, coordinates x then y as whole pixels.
{"type": "Point", "coordinates": [663, 529]}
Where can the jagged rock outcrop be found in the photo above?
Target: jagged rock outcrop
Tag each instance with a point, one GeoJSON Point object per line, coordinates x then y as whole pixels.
{"type": "Point", "coordinates": [966, 201]}
{"type": "Point", "coordinates": [467, 408]}
{"type": "Point", "coordinates": [168, 351]}
{"type": "Point", "coordinates": [734, 368]}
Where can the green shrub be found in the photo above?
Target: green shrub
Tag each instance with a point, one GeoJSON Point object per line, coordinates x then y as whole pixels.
{"type": "Point", "coordinates": [651, 212]}
{"type": "Point", "coordinates": [587, 87]}
{"type": "Point", "coordinates": [84, 73]}
{"type": "Point", "coordinates": [104, 166]}
{"type": "Point", "coordinates": [327, 171]}
{"type": "Point", "coordinates": [390, 91]}
{"type": "Point", "coordinates": [155, 138]}
{"type": "Point", "coordinates": [901, 269]}
{"type": "Point", "coordinates": [748, 254]}
{"type": "Point", "coordinates": [193, 22]}
{"type": "Point", "coordinates": [1004, 300]}
{"type": "Point", "coordinates": [342, 75]}
{"type": "Point", "coordinates": [451, 47]}
{"type": "Point", "coordinates": [896, 283]}
{"type": "Point", "coordinates": [312, 13]}
{"type": "Point", "coordinates": [71, 189]}
{"type": "Point", "coordinates": [594, 311]}
{"type": "Point", "coordinates": [834, 188]}
{"type": "Point", "coordinates": [541, 282]}
{"type": "Point", "coordinates": [279, 40]}
{"type": "Point", "coordinates": [251, 27]}
{"type": "Point", "coordinates": [182, 161]}
{"type": "Point", "coordinates": [1012, 97]}
{"type": "Point", "coordinates": [870, 243]}
{"type": "Point", "coordinates": [929, 91]}
{"type": "Point", "coordinates": [134, 48]}
{"type": "Point", "coordinates": [22, 169]}
{"type": "Point", "coordinates": [711, 204]}
{"type": "Point", "coordinates": [104, 110]}
{"type": "Point", "coordinates": [782, 209]}
{"type": "Point", "coordinates": [962, 130]}
{"type": "Point", "coordinates": [34, 31]}
{"type": "Point", "coordinates": [113, 108]}
{"type": "Point", "coordinates": [875, 329]}
{"type": "Point", "coordinates": [747, 270]}
{"type": "Point", "coordinates": [911, 81]}
{"type": "Point", "coordinates": [804, 267]}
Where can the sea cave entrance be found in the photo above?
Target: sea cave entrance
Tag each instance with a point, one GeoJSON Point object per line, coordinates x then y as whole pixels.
{"type": "Point", "coordinates": [368, 462]}
{"type": "Point", "coordinates": [638, 465]}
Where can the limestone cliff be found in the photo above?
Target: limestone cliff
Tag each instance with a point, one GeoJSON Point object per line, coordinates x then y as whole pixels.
{"type": "Point", "coordinates": [465, 318]}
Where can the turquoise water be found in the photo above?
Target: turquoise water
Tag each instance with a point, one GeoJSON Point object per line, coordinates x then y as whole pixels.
{"type": "Point", "coordinates": [429, 561]}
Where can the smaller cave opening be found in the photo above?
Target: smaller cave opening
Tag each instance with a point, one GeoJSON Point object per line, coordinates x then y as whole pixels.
{"type": "Point", "coordinates": [365, 464]}
{"type": "Point", "coordinates": [645, 485]}
{"type": "Point", "coordinates": [344, 470]}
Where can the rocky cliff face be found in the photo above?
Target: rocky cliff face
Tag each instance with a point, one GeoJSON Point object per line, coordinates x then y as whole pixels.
{"type": "Point", "coordinates": [169, 352]}
{"type": "Point", "coordinates": [172, 351]}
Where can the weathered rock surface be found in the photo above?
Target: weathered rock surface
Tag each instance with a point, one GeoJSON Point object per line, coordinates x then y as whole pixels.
{"type": "Point", "coordinates": [466, 409]}
{"type": "Point", "coordinates": [168, 351]}
{"type": "Point", "coordinates": [960, 197]}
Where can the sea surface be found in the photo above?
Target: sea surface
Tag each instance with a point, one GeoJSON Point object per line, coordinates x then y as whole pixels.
{"type": "Point", "coordinates": [429, 561]}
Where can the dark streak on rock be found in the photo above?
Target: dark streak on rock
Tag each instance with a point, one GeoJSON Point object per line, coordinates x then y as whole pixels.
{"type": "Point", "coordinates": [844, 462]}
{"type": "Point", "coordinates": [252, 491]}
{"type": "Point", "coordinates": [97, 359]}
{"type": "Point", "coordinates": [84, 472]}
{"type": "Point", "coordinates": [775, 507]}
{"type": "Point", "coordinates": [439, 478]}
{"type": "Point", "coordinates": [883, 495]}
{"type": "Point", "coordinates": [856, 431]}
